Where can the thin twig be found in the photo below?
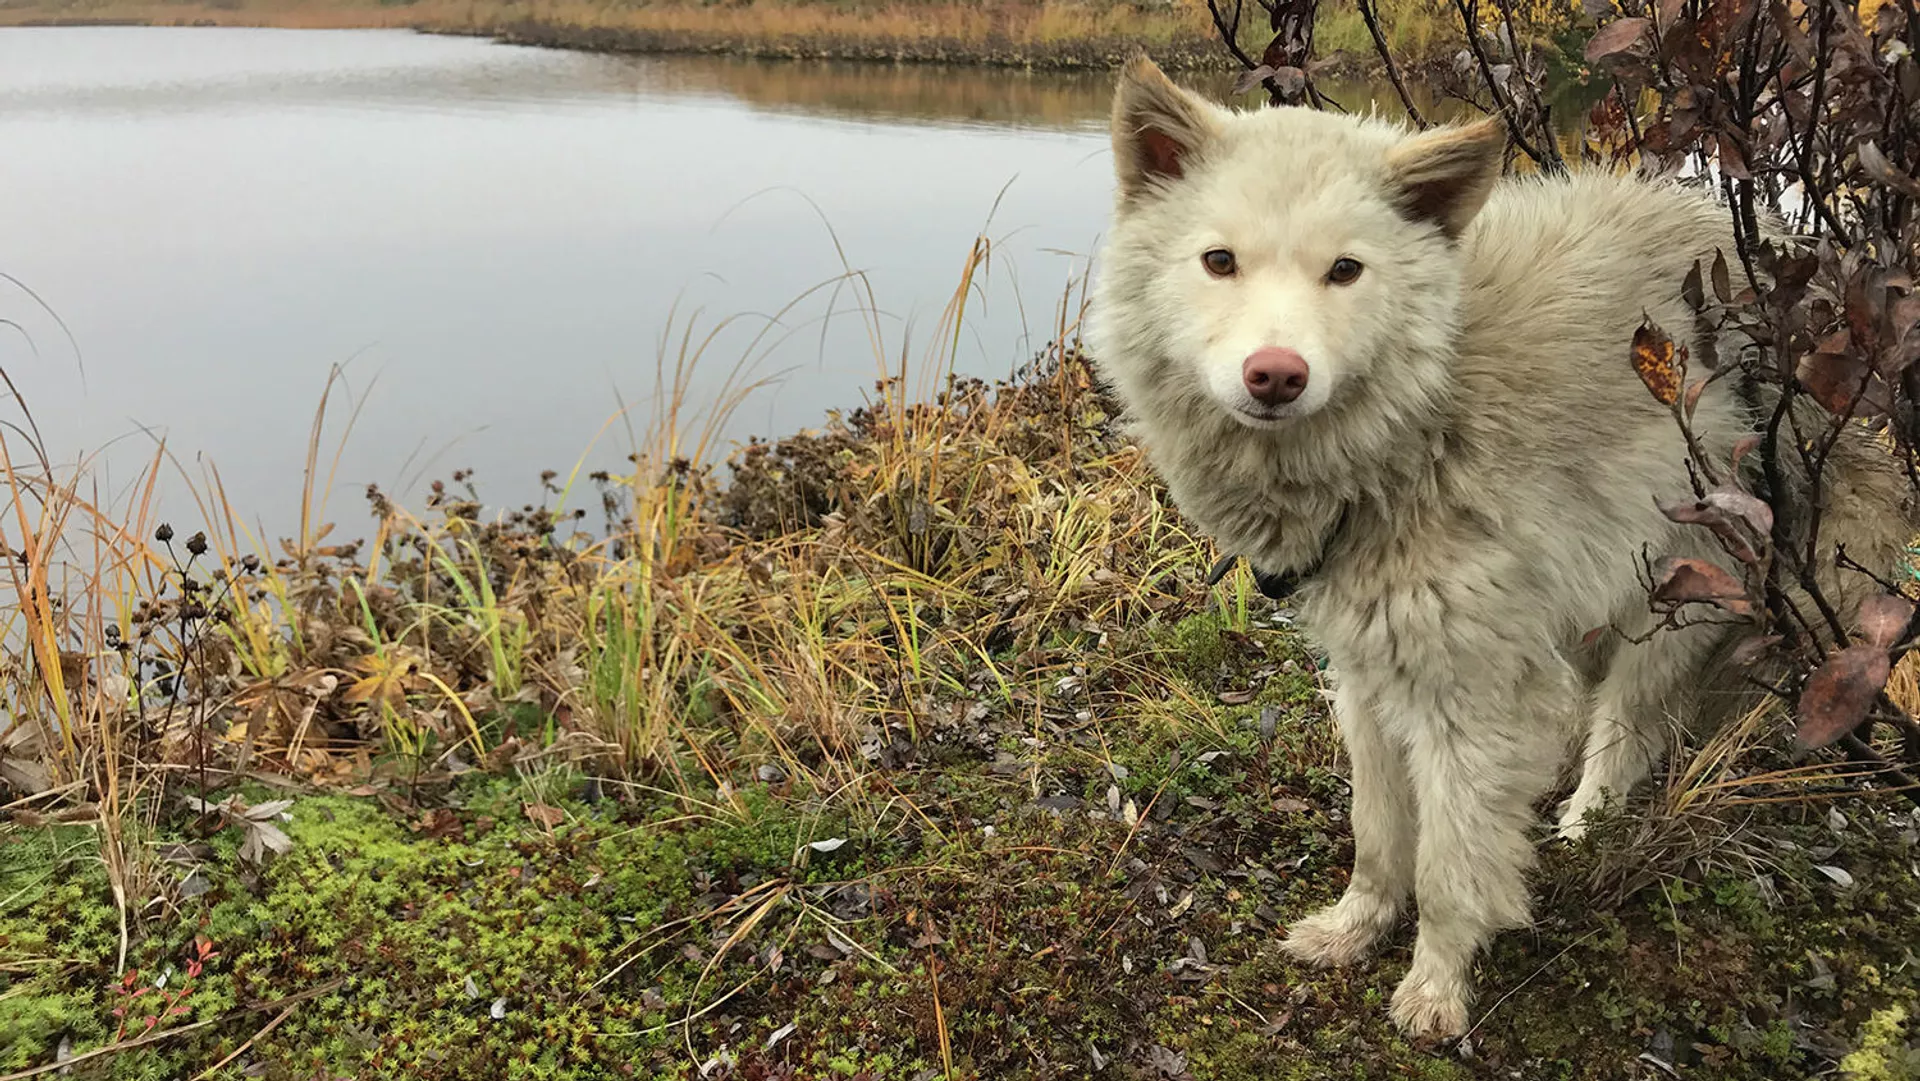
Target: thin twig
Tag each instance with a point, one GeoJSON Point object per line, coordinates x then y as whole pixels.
{"type": "Point", "coordinates": [1515, 989]}
{"type": "Point", "coordinates": [939, 1014]}
{"type": "Point", "coordinates": [1386, 57]}
{"type": "Point", "coordinates": [1469, 22]}
{"type": "Point", "coordinates": [155, 1037]}
{"type": "Point", "coordinates": [111, 1049]}
{"type": "Point", "coordinates": [242, 1049]}
{"type": "Point", "coordinates": [1864, 753]}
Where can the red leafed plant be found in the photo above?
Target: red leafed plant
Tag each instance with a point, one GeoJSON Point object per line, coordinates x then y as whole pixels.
{"type": "Point", "coordinates": [139, 1014]}
{"type": "Point", "coordinates": [1808, 120]}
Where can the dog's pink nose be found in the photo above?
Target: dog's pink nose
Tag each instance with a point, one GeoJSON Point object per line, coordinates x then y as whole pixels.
{"type": "Point", "coordinates": [1274, 376]}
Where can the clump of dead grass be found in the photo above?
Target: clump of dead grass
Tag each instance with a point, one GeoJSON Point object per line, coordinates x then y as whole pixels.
{"type": "Point", "coordinates": [806, 614]}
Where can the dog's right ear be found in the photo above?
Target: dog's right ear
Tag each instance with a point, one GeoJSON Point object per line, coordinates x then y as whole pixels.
{"type": "Point", "coordinates": [1156, 127]}
{"type": "Point", "coordinates": [1445, 174]}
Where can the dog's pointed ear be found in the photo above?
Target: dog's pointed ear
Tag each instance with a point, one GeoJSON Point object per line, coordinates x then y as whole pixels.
{"type": "Point", "coordinates": [1156, 127]}
{"type": "Point", "coordinates": [1444, 175]}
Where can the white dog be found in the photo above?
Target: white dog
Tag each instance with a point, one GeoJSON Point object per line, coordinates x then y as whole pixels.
{"type": "Point", "coordinates": [1356, 354]}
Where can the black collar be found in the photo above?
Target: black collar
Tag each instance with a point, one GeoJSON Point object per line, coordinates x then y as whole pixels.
{"type": "Point", "coordinates": [1281, 586]}
{"type": "Point", "coordinates": [1276, 586]}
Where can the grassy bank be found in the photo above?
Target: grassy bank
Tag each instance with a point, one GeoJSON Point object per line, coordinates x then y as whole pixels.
{"type": "Point", "coordinates": [915, 747]}
{"type": "Point", "coordinates": [1015, 33]}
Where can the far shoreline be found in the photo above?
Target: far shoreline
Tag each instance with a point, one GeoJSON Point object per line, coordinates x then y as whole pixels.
{"type": "Point", "coordinates": [1191, 54]}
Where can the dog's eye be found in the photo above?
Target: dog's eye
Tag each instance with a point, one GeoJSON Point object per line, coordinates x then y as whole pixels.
{"type": "Point", "coordinates": [1344, 271]}
{"type": "Point", "coordinates": [1219, 262]}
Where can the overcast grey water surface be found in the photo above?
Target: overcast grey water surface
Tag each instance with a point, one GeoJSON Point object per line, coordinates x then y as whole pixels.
{"type": "Point", "coordinates": [498, 242]}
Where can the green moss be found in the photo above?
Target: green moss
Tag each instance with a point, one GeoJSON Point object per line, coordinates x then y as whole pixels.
{"type": "Point", "coordinates": [56, 917]}
{"type": "Point", "coordinates": [1197, 647]}
{"type": "Point", "coordinates": [1885, 1053]}
{"type": "Point", "coordinates": [639, 927]}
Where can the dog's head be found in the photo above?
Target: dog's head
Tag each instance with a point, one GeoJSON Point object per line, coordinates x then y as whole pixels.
{"type": "Point", "coordinates": [1275, 259]}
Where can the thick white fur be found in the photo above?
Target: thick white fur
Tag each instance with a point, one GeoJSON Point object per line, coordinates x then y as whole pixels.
{"type": "Point", "coordinates": [1472, 416]}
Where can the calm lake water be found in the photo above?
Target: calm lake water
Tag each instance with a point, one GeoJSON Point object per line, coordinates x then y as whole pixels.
{"type": "Point", "coordinates": [499, 243]}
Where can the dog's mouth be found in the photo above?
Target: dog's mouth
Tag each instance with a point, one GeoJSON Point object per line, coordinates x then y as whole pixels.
{"type": "Point", "coordinates": [1257, 416]}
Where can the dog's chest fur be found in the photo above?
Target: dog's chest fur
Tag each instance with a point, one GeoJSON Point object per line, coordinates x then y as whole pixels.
{"type": "Point", "coordinates": [1376, 530]}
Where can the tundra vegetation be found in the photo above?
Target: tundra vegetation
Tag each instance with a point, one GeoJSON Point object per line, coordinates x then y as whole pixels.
{"type": "Point", "coordinates": [918, 745]}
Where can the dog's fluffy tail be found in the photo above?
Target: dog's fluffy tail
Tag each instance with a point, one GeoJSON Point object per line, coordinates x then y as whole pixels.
{"type": "Point", "coordinates": [1866, 511]}
{"type": "Point", "coordinates": [1863, 511]}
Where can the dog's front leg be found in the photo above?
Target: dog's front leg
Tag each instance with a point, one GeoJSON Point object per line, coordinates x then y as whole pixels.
{"type": "Point", "coordinates": [1383, 848]}
{"type": "Point", "coordinates": [1477, 768]}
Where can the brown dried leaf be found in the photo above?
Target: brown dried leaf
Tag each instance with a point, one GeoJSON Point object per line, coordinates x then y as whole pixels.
{"type": "Point", "coordinates": [1716, 28]}
{"type": "Point", "coordinates": [1753, 649]}
{"type": "Point", "coordinates": [1902, 316]}
{"type": "Point", "coordinates": [1616, 37]}
{"type": "Point", "coordinates": [1794, 272]}
{"type": "Point", "coordinates": [1884, 618]}
{"type": "Point", "coordinates": [1835, 380]}
{"type": "Point", "coordinates": [1693, 394]}
{"type": "Point", "coordinates": [1680, 44]}
{"type": "Point", "coordinates": [441, 823]}
{"type": "Point", "coordinates": [1691, 289]}
{"type": "Point", "coordinates": [1752, 510]}
{"type": "Point", "coordinates": [1722, 280]}
{"type": "Point", "coordinates": [1733, 160]}
{"type": "Point", "coordinates": [1746, 445]}
{"type": "Point", "coordinates": [1797, 41]}
{"type": "Point", "coordinates": [1739, 519]}
{"type": "Point", "coordinates": [1838, 695]}
{"type": "Point", "coordinates": [1653, 358]}
{"type": "Point", "coordinates": [1866, 309]}
{"type": "Point", "coordinates": [261, 838]}
{"type": "Point", "coordinates": [1881, 171]}
{"type": "Point", "coordinates": [364, 690]}
{"type": "Point", "coordinates": [1679, 581]}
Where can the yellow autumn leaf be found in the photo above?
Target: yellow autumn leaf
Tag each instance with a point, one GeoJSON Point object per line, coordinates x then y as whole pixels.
{"type": "Point", "coordinates": [388, 677]}
{"type": "Point", "coordinates": [1653, 358]}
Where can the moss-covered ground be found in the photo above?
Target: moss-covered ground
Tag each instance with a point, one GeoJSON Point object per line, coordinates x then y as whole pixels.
{"type": "Point", "coordinates": [1010, 900]}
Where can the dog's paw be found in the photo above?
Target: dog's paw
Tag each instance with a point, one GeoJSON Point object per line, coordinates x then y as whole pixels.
{"type": "Point", "coordinates": [1571, 826]}
{"type": "Point", "coordinates": [1340, 934]}
{"type": "Point", "coordinates": [1429, 1008]}
{"type": "Point", "coordinates": [1570, 830]}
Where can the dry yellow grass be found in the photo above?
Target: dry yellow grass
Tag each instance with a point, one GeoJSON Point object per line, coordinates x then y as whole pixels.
{"type": "Point", "coordinates": [703, 622]}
